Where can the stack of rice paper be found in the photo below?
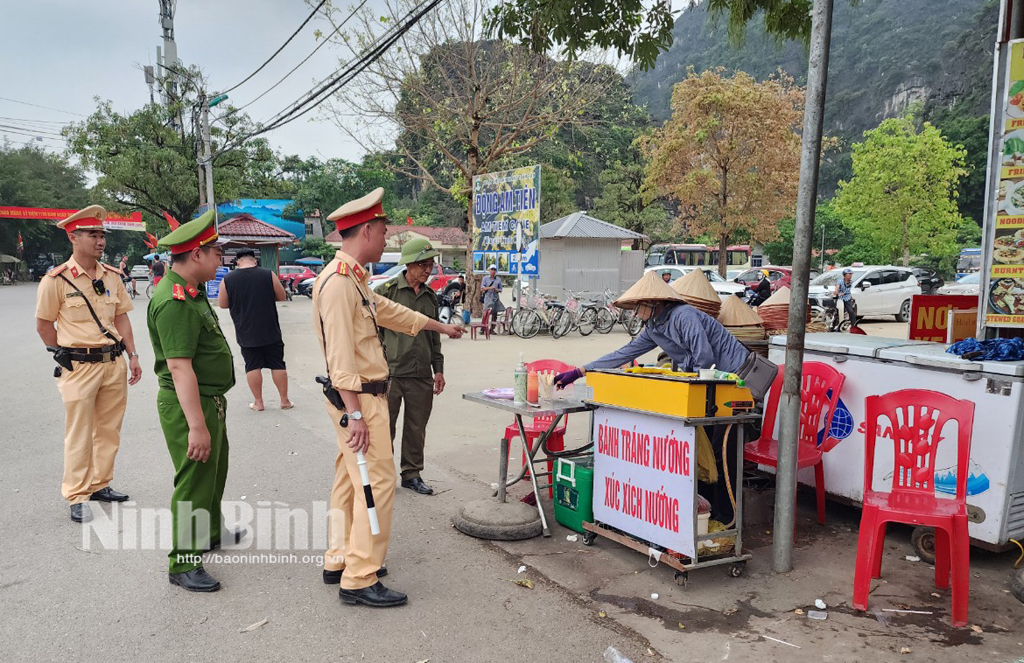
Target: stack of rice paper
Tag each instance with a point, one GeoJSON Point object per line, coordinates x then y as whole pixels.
{"type": "Point", "coordinates": [695, 288]}
{"type": "Point", "coordinates": [742, 321]}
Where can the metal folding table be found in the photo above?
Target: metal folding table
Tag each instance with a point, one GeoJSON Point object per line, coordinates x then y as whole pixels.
{"type": "Point", "coordinates": [557, 410]}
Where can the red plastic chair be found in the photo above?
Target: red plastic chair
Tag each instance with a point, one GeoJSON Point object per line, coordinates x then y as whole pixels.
{"type": "Point", "coordinates": [539, 425]}
{"type": "Point", "coordinates": [503, 325]}
{"type": "Point", "coordinates": [484, 325]}
{"type": "Point", "coordinates": [917, 418]}
{"type": "Point", "coordinates": [819, 395]}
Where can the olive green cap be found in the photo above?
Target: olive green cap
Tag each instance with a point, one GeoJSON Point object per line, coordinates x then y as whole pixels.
{"type": "Point", "coordinates": [416, 250]}
{"type": "Point", "coordinates": [196, 233]}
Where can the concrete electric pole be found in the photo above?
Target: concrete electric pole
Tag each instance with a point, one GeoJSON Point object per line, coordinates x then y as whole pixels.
{"type": "Point", "coordinates": [167, 60]}
{"type": "Point", "coordinates": [208, 151]}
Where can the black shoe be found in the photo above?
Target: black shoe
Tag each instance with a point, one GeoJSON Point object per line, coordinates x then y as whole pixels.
{"type": "Point", "coordinates": [375, 596]}
{"type": "Point", "coordinates": [334, 577]}
{"type": "Point", "coordinates": [196, 580]}
{"type": "Point", "coordinates": [417, 484]}
{"type": "Point", "coordinates": [108, 495]}
{"type": "Point", "coordinates": [81, 513]}
{"type": "Point", "coordinates": [235, 535]}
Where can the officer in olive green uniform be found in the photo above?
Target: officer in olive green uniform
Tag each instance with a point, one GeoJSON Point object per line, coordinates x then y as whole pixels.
{"type": "Point", "coordinates": [415, 362]}
{"type": "Point", "coordinates": [195, 370]}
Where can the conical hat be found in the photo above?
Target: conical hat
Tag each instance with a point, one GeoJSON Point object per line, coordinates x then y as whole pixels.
{"type": "Point", "coordinates": [779, 298]}
{"type": "Point", "coordinates": [735, 313]}
{"type": "Point", "coordinates": [694, 285]}
{"type": "Point", "coordinates": [650, 288]}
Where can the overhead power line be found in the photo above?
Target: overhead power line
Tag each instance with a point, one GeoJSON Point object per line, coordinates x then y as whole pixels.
{"type": "Point", "coordinates": [354, 68]}
{"type": "Point", "coordinates": [45, 107]}
{"type": "Point", "coordinates": [31, 135]}
{"type": "Point", "coordinates": [35, 132]}
{"type": "Point", "coordinates": [304, 60]}
{"type": "Point", "coordinates": [288, 41]}
{"type": "Point", "coordinates": [32, 121]}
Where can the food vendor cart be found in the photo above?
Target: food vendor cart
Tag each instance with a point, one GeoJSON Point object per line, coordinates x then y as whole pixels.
{"type": "Point", "coordinates": [644, 432]}
{"type": "Point", "coordinates": [872, 366]}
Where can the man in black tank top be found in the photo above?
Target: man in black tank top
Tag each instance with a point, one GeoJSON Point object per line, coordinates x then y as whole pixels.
{"type": "Point", "coordinates": [251, 294]}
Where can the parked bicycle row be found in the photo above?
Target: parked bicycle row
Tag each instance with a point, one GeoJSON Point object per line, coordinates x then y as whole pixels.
{"type": "Point", "coordinates": [545, 313]}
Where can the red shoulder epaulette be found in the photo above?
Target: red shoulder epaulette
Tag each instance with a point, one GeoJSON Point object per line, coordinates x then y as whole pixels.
{"type": "Point", "coordinates": [342, 268]}
{"type": "Point", "coordinates": [178, 292]}
{"type": "Point", "coordinates": [57, 270]}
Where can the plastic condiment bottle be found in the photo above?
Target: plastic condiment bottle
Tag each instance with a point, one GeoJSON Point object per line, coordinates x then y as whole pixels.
{"type": "Point", "coordinates": [519, 392]}
{"type": "Point", "coordinates": [532, 387]}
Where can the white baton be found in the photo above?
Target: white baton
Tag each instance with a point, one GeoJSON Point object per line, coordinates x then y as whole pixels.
{"type": "Point", "coordinates": [368, 493]}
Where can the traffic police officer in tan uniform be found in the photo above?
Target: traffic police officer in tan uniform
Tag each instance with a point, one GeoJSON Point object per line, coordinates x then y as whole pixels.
{"type": "Point", "coordinates": [82, 317]}
{"type": "Point", "coordinates": [347, 317]}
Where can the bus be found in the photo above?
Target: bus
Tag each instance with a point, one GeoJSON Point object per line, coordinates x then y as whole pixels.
{"type": "Point", "coordinates": [969, 262]}
{"type": "Point", "coordinates": [696, 255]}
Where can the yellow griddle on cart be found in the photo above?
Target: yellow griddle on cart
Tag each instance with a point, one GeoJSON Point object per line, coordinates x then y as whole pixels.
{"type": "Point", "coordinates": [670, 393]}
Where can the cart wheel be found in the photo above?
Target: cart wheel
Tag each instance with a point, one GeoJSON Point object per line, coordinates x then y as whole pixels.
{"type": "Point", "coordinates": [589, 538]}
{"type": "Point", "coordinates": [681, 578]}
{"type": "Point", "coordinates": [736, 569]}
{"type": "Point", "coordinates": [923, 540]}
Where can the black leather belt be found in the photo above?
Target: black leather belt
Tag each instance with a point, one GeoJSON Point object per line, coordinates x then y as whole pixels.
{"type": "Point", "coordinates": [107, 353]}
{"type": "Point", "coordinates": [376, 388]}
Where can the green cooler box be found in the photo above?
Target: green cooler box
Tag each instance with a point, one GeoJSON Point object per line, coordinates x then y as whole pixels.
{"type": "Point", "coordinates": [574, 492]}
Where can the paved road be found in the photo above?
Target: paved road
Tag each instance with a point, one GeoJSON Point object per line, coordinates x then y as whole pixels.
{"type": "Point", "coordinates": [63, 603]}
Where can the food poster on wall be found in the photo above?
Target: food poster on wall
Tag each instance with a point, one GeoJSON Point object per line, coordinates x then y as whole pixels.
{"type": "Point", "coordinates": [506, 221]}
{"type": "Point", "coordinates": [1005, 306]}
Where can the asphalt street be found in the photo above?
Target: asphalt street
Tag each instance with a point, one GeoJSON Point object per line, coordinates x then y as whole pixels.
{"type": "Point", "coordinates": [62, 602]}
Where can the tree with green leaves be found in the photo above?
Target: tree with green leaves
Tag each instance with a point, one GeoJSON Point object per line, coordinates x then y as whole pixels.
{"type": "Point", "coordinates": [830, 234]}
{"type": "Point", "coordinates": [624, 202]}
{"type": "Point", "coordinates": [147, 159]}
{"type": "Point", "coordinates": [32, 177]}
{"type": "Point", "coordinates": [327, 186]}
{"type": "Point", "coordinates": [902, 198]}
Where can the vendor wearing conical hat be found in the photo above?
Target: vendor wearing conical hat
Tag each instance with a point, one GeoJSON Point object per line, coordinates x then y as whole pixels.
{"type": "Point", "coordinates": [692, 338]}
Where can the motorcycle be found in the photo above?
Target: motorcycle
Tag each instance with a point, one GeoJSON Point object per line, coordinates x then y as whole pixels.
{"type": "Point", "coordinates": [445, 308]}
{"type": "Point", "coordinates": [833, 317]}
{"type": "Point", "coordinates": [751, 298]}
{"type": "Point", "coordinates": [287, 285]}
{"type": "Point", "coordinates": [306, 288]}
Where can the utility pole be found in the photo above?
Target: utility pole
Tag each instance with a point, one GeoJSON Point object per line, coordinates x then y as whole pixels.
{"type": "Point", "coordinates": [807, 196]}
{"type": "Point", "coordinates": [168, 60]}
{"type": "Point", "coordinates": [211, 200]}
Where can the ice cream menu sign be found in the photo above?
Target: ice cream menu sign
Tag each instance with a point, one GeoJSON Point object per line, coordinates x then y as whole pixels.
{"type": "Point", "coordinates": [1005, 306]}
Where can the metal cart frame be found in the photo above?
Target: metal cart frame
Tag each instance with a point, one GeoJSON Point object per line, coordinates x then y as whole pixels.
{"type": "Point", "coordinates": [737, 558]}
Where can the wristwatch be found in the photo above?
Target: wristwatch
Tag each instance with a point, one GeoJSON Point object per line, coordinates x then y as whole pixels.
{"type": "Point", "coordinates": [133, 355]}
{"type": "Point", "coordinates": [354, 416]}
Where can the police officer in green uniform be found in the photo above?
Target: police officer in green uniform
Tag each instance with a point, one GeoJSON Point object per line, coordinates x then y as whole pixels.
{"type": "Point", "coordinates": [195, 369]}
{"type": "Point", "coordinates": [415, 362]}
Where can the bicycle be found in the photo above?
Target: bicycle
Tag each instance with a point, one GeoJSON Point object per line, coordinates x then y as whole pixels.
{"type": "Point", "coordinates": [581, 314]}
{"type": "Point", "coordinates": [149, 290]}
{"type": "Point", "coordinates": [535, 315]}
{"type": "Point", "coordinates": [628, 319]}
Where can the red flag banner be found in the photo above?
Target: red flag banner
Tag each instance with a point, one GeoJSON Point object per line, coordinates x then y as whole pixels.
{"type": "Point", "coordinates": [114, 221]}
{"type": "Point", "coordinates": [21, 244]}
{"type": "Point", "coordinates": [171, 221]}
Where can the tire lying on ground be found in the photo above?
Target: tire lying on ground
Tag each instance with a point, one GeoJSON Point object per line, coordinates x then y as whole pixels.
{"type": "Point", "coordinates": [1017, 584]}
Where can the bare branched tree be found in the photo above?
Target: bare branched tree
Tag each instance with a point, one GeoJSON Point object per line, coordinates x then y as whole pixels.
{"type": "Point", "coordinates": [446, 103]}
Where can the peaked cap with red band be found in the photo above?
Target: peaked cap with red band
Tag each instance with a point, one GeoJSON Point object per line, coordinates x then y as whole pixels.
{"type": "Point", "coordinates": [197, 233]}
{"type": "Point", "coordinates": [90, 218]}
{"type": "Point", "coordinates": [361, 210]}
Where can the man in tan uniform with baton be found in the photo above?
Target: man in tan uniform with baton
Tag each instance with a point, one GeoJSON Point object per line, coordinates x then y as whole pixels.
{"type": "Point", "coordinates": [82, 318]}
{"type": "Point", "coordinates": [347, 317]}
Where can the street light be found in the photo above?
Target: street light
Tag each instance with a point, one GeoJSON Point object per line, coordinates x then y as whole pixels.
{"type": "Point", "coordinates": [208, 153]}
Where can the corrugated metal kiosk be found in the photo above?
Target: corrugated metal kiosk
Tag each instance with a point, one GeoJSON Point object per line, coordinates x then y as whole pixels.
{"type": "Point", "coordinates": [584, 254]}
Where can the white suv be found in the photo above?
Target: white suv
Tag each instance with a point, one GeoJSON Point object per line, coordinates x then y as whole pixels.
{"type": "Point", "coordinates": [878, 290]}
